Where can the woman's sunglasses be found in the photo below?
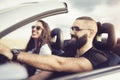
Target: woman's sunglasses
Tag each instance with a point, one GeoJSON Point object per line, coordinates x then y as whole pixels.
{"type": "Point", "coordinates": [37, 27]}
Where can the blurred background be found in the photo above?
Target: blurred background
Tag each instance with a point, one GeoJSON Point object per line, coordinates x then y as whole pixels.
{"type": "Point", "coordinates": [100, 10]}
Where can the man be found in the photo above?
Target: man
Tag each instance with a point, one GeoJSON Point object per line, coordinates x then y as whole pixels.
{"type": "Point", "coordinates": [86, 58]}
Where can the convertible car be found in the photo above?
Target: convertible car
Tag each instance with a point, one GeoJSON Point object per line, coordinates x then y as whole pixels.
{"type": "Point", "coordinates": [15, 25]}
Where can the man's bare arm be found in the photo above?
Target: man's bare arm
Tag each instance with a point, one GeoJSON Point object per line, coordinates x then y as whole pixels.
{"type": "Point", "coordinates": [56, 63]}
{"type": "Point", "coordinates": [50, 62]}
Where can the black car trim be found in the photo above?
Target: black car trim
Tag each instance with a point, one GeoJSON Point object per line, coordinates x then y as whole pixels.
{"type": "Point", "coordinates": [92, 74]}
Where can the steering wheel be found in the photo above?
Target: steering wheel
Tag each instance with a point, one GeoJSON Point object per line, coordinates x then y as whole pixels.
{"type": "Point", "coordinates": [3, 59]}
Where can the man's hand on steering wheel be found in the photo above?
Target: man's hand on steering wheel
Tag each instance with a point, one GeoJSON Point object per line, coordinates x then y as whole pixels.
{"type": "Point", "coordinates": [5, 51]}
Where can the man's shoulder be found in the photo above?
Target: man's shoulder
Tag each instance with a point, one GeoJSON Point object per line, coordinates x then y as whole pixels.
{"type": "Point", "coordinates": [96, 57]}
{"type": "Point", "coordinates": [94, 51]}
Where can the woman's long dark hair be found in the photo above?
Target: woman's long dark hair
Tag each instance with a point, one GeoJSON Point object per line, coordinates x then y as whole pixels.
{"type": "Point", "coordinates": [43, 39]}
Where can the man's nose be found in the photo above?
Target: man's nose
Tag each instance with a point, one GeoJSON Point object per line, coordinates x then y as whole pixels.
{"type": "Point", "coordinates": [72, 32]}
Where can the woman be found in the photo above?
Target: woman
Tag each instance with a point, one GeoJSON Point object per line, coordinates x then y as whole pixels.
{"type": "Point", "coordinates": [39, 42]}
{"type": "Point", "coordinates": [40, 38]}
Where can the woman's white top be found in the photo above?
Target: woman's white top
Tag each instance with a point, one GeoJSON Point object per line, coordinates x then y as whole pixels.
{"type": "Point", "coordinates": [44, 50]}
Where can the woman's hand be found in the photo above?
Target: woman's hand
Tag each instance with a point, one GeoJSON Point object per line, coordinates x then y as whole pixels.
{"type": "Point", "coordinates": [4, 50]}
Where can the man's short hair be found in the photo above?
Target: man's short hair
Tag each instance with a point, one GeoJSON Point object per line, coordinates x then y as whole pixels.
{"type": "Point", "coordinates": [89, 22]}
{"type": "Point", "coordinates": [85, 18]}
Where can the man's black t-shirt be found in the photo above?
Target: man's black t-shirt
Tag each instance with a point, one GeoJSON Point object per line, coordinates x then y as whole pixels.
{"type": "Point", "coordinates": [99, 59]}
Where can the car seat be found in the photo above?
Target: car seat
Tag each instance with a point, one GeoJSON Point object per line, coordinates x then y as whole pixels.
{"type": "Point", "coordinates": [3, 59]}
{"type": "Point", "coordinates": [117, 47]}
{"type": "Point", "coordinates": [57, 41]}
{"type": "Point", "coordinates": [105, 43]}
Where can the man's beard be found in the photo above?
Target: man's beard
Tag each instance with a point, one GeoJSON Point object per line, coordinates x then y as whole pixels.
{"type": "Point", "coordinates": [78, 42]}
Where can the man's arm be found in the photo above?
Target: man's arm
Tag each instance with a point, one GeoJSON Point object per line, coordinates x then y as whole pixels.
{"type": "Point", "coordinates": [55, 63]}
{"type": "Point", "coordinates": [50, 62]}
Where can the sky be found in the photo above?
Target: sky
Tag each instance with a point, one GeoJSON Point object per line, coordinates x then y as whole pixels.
{"type": "Point", "coordinates": [100, 10]}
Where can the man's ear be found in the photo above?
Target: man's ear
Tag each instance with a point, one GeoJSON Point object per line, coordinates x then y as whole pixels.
{"type": "Point", "coordinates": [91, 33]}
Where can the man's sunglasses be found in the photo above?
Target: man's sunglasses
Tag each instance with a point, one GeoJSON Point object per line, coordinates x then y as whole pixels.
{"type": "Point", "coordinates": [77, 28]}
{"type": "Point", "coordinates": [37, 27]}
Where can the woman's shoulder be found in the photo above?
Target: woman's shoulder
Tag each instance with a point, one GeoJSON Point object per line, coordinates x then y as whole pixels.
{"type": "Point", "coordinates": [45, 49]}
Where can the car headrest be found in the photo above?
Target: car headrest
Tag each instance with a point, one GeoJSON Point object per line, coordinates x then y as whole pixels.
{"type": "Point", "coordinates": [105, 43]}
{"type": "Point", "coordinates": [57, 40]}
